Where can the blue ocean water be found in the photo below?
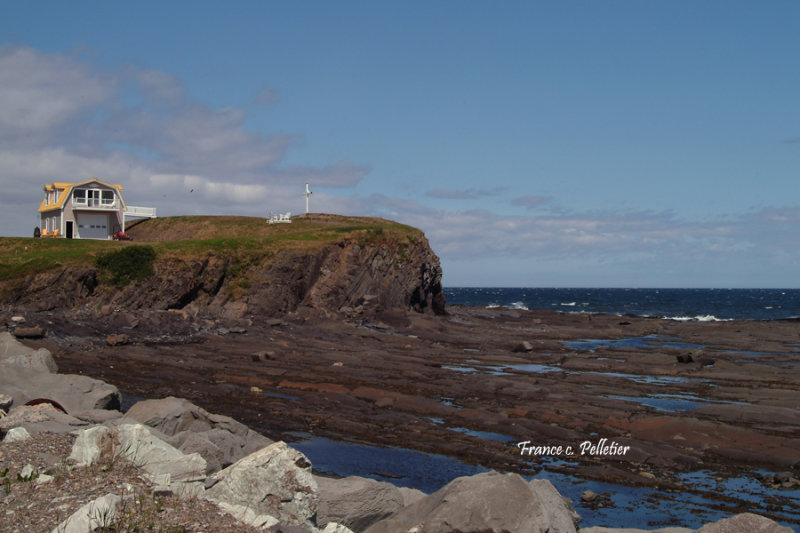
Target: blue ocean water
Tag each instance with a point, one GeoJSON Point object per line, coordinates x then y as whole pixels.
{"type": "Point", "coordinates": [678, 304]}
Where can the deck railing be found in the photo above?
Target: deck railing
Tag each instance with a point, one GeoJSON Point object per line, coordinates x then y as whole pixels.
{"type": "Point", "coordinates": [133, 211]}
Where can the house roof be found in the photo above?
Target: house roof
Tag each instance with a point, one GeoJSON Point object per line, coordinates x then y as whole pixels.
{"type": "Point", "coordinates": [64, 190]}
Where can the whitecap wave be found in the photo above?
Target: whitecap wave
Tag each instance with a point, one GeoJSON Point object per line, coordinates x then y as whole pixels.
{"type": "Point", "coordinates": [568, 304]}
{"type": "Point", "coordinates": [698, 318]}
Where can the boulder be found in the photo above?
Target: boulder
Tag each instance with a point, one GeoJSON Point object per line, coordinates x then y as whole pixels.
{"type": "Point", "coordinates": [97, 416]}
{"type": "Point", "coordinates": [6, 402]}
{"type": "Point", "coordinates": [42, 418]}
{"type": "Point", "coordinates": [98, 514]}
{"type": "Point", "coordinates": [248, 516]}
{"type": "Point", "coordinates": [356, 502]}
{"type": "Point", "coordinates": [221, 440]}
{"type": "Point", "coordinates": [274, 481]}
{"type": "Point", "coordinates": [333, 527]}
{"type": "Point", "coordinates": [218, 447]}
{"type": "Point", "coordinates": [741, 523]}
{"type": "Point", "coordinates": [117, 339]}
{"type": "Point", "coordinates": [74, 392]}
{"type": "Point", "coordinates": [13, 352]}
{"type": "Point", "coordinates": [32, 332]}
{"type": "Point", "coordinates": [601, 529]}
{"type": "Point", "coordinates": [523, 346]}
{"type": "Point", "coordinates": [17, 434]}
{"type": "Point", "coordinates": [487, 502]}
{"type": "Point", "coordinates": [169, 468]}
{"type": "Point", "coordinates": [92, 444]}
{"type": "Point", "coordinates": [410, 496]}
{"type": "Point", "coordinates": [145, 450]}
{"type": "Point", "coordinates": [745, 522]}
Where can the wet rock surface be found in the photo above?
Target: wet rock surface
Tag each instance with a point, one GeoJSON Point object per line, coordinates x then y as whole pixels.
{"type": "Point", "coordinates": [583, 388]}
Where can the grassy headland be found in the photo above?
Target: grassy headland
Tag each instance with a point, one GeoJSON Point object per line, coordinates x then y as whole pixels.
{"type": "Point", "coordinates": [188, 236]}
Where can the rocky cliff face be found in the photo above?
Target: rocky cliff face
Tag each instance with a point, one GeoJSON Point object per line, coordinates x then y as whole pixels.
{"type": "Point", "coordinates": [347, 276]}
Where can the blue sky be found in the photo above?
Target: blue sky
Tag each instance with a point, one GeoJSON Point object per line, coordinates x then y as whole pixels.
{"type": "Point", "coordinates": [575, 143]}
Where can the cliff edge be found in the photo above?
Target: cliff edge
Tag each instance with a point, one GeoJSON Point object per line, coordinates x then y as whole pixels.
{"type": "Point", "coordinates": [231, 266]}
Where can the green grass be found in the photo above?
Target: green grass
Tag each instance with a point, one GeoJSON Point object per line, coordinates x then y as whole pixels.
{"type": "Point", "coordinates": [22, 256]}
{"type": "Point", "coordinates": [246, 239]}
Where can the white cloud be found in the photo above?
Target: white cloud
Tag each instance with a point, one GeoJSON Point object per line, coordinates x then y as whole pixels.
{"type": "Point", "coordinates": [62, 119]}
{"type": "Point", "coordinates": [41, 92]}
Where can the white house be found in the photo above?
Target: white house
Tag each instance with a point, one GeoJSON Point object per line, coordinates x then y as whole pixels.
{"type": "Point", "coordinates": [89, 209]}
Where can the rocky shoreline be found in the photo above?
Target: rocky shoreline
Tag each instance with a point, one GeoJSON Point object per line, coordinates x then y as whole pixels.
{"type": "Point", "coordinates": [682, 397]}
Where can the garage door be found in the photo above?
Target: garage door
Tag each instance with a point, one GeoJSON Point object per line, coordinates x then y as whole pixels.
{"type": "Point", "coordinates": [93, 225]}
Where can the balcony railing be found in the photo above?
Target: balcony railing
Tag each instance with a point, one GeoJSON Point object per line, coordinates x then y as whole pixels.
{"type": "Point", "coordinates": [95, 203]}
{"type": "Point", "coordinates": [133, 211]}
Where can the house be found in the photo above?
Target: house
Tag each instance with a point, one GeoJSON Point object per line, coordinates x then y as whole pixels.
{"type": "Point", "coordinates": [89, 209]}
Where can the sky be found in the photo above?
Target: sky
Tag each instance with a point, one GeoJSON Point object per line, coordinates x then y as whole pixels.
{"type": "Point", "coordinates": [614, 143]}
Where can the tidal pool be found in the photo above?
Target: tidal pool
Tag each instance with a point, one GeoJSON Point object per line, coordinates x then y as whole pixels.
{"type": "Point", "coordinates": [633, 507]}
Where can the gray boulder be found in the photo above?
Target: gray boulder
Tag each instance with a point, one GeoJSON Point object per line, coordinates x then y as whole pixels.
{"type": "Point", "coordinates": [142, 448]}
{"type": "Point", "coordinates": [6, 402]}
{"type": "Point", "coordinates": [274, 481]}
{"type": "Point", "coordinates": [29, 332]}
{"type": "Point", "coordinates": [601, 529]}
{"type": "Point", "coordinates": [92, 444]}
{"type": "Point", "coordinates": [221, 440]}
{"type": "Point", "coordinates": [97, 514]}
{"type": "Point", "coordinates": [410, 496]}
{"type": "Point", "coordinates": [487, 502]}
{"type": "Point", "coordinates": [745, 523]}
{"type": "Point", "coordinates": [43, 418]}
{"type": "Point", "coordinates": [17, 434]}
{"type": "Point", "coordinates": [167, 466]}
{"type": "Point", "coordinates": [356, 502]}
{"type": "Point", "coordinates": [13, 352]}
{"type": "Point", "coordinates": [74, 392]}
{"type": "Point", "coordinates": [740, 523]}
{"type": "Point", "coordinates": [220, 448]}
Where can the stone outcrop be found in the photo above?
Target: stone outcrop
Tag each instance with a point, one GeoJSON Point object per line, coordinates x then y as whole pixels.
{"type": "Point", "coordinates": [356, 273]}
{"type": "Point", "coordinates": [740, 523]}
{"type": "Point", "coordinates": [274, 481]}
{"type": "Point", "coordinates": [356, 502]}
{"type": "Point", "coordinates": [749, 522]}
{"type": "Point", "coordinates": [75, 393]}
{"type": "Point", "coordinates": [12, 352]}
{"type": "Point", "coordinates": [220, 440]}
{"type": "Point", "coordinates": [28, 375]}
{"type": "Point", "coordinates": [487, 502]}
{"type": "Point", "coordinates": [40, 419]}
{"type": "Point", "coordinates": [95, 515]}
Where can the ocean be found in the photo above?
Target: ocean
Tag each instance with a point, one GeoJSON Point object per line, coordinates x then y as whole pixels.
{"type": "Point", "coordinates": [676, 304]}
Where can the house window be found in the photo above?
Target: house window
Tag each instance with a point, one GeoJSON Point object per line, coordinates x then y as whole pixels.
{"type": "Point", "coordinates": [108, 198]}
{"type": "Point", "coordinates": [79, 197]}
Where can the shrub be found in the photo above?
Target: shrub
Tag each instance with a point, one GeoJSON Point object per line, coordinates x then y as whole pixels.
{"type": "Point", "coordinates": [132, 263]}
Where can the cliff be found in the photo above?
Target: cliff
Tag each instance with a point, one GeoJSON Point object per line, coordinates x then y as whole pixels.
{"type": "Point", "coordinates": [233, 266]}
